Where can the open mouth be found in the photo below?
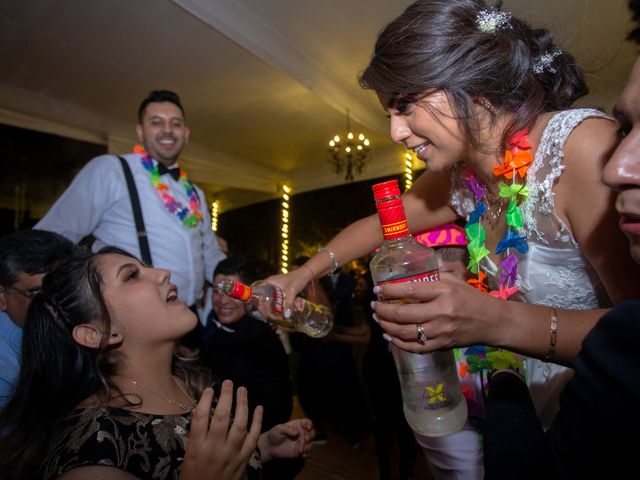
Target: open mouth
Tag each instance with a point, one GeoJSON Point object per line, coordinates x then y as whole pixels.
{"type": "Point", "coordinates": [172, 295]}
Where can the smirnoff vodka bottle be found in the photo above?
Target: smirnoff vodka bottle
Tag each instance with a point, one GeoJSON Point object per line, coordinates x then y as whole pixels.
{"type": "Point", "coordinates": [432, 400]}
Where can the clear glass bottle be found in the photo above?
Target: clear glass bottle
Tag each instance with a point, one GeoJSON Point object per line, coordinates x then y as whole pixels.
{"type": "Point", "coordinates": [432, 400]}
{"type": "Point", "coordinates": [265, 301]}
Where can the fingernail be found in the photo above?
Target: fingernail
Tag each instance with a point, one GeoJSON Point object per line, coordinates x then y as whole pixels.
{"type": "Point", "coordinates": [375, 318]}
{"type": "Point", "coordinates": [373, 304]}
{"type": "Point", "coordinates": [287, 313]}
{"type": "Point", "coordinates": [387, 338]}
{"type": "Point", "coordinates": [377, 289]}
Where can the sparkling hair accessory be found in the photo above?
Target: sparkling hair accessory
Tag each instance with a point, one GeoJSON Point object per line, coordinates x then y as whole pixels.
{"type": "Point", "coordinates": [545, 61]}
{"type": "Point", "coordinates": [492, 20]}
{"type": "Point", "coordinates": [486, 103]}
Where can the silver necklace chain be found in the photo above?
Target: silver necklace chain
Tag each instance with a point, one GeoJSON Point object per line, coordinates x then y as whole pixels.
{"type": "Point", "coordinates": [183, 406]}
{"type": "Point", "coordinates": [494, 206]}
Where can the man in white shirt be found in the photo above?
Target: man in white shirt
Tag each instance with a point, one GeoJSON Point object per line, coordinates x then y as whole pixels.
{"type": "Point", "coordinates": [175, 213]}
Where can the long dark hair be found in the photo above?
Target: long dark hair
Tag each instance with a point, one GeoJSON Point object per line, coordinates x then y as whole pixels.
{"type": "Point", "coordinates": [57, 374]}
{"type": "Point", "coordinates": [437, 45]}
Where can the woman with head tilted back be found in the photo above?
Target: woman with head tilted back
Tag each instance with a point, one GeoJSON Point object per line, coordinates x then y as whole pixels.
{"type": "Point", "coordinates": [105, 391]}
{"type": "Point", "coordinates": [483, 99]}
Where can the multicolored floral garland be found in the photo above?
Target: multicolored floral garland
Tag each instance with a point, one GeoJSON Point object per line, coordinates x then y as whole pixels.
{"type": "Point", "coordinates": [517, 159]}
{"type": "Point", "coordinates": [189, 216]}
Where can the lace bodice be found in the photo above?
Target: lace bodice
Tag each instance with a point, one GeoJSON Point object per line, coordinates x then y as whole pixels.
{"type": "Point", "coordinates": [554, 272]}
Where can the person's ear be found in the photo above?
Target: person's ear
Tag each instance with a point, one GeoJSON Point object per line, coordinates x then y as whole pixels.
{"type": "Point", "coordinates": [139, 132]}
{"type": "Point", "coordinates": [3, 298]}
{"type": "Point", "coordinates": [90, 336]}
{"type": "Point", "coordinates": [186, 134]}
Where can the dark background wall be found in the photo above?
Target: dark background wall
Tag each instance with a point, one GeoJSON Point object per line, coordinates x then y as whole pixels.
{"type": "Point", "coordinates": [315, 217]}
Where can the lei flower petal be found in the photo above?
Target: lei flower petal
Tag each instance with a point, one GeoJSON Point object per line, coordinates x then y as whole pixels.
{"type": "Point", "coordinates": [479, 350]}
{"type": "Point", "coordinates": [474, 217]}
{"type": "Point", "coordinates": [470, 181]}
{"type": "Point", "coordinates": [509, 273]}
{"type": "Point", "coordinates": [504, 359]}
{"type": "Point", "coordinates": [513, 214]}
{"type": "Point", "coordinates": [513, 190]}
{"type": "Point", "coordinates": [476, 254]}
{"type": "Point", "coordinates": [512, 240]}
{"type": "Point", "coordinates": [503, 292]}
{"type": "Point", "coordinates": [520, 140]}
{"type": "Point", "coordinates": [477, 364]}
{"type": "Point", "coordinates": [480, 282]}
{"type": "Point", "coordinates": [518, 162]}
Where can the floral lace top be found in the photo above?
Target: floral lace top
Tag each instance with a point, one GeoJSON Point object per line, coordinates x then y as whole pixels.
{"type": "Point", "coordinates": [145, 445]}
{"type": "Point", "coordinates": [554, 272]}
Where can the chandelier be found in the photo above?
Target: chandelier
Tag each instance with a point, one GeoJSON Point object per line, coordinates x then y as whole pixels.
{"type": "Point", "coordinates": [349, 152]}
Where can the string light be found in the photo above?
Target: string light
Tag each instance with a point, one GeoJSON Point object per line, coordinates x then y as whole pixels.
{"type": "Point", "coordinates": [215, 210]}
{"type": "Point", "coordinates": [408, 171]}
{"type": "Point", "coordinates": [284, 233]}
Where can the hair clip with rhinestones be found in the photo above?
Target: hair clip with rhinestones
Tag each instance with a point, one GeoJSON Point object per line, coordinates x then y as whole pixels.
{"type": "Point", "coordinates": [545, 61]}
{"type": "Point", "coordinates": [492, 20]}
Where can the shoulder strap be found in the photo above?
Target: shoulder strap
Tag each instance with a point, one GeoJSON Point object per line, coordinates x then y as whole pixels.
{"type": "Point", "coordinates": [145, 252]}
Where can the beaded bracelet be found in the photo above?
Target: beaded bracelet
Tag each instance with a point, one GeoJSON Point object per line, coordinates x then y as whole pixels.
{"type": "Point", "coordinates": [554, 335]}
{"type": "Point", "coordinates": [334, 262]}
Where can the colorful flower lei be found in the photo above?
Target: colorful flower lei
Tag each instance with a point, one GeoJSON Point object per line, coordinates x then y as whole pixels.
{"type": "Point", "coordinates": [189, 216]}
{"type": "Point", "coordinates": [517, 159]}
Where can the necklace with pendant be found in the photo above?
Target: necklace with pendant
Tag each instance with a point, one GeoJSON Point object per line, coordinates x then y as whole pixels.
{"type": "Point", "coordinates": [494, 206]}
{"type": "Point", "coordinates": [183, 406]}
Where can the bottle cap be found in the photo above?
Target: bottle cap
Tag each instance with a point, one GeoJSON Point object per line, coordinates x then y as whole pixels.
{"type": "Point", "coordinates": [385, 190]}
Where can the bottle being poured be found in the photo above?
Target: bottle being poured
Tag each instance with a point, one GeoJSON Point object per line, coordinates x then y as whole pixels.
{"type": "Point", "coordinates": [265, 301]}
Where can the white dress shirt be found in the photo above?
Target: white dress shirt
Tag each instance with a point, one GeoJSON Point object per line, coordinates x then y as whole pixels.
{"type": "Point", "coordinates": [97, 202]}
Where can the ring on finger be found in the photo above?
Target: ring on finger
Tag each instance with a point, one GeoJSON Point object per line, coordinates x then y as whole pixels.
{"type": "Point", "coordinates": [421, 337]}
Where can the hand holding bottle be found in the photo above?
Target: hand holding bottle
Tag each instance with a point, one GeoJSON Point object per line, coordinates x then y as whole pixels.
{"type": "Point", "coordinates": [453, 314]}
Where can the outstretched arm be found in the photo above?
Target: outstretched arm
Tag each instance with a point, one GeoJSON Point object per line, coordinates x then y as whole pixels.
{"type": "Point", "coordinates": [426, 205]}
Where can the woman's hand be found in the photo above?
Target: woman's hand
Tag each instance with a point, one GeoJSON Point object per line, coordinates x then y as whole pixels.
{"type": "Point", "coordinates": [451, 312]}
{"type": "Point", "coordinates": [287, 440]}
{"type": "Point", "coordinates": [221, 447]}
{"type": "Point", "coordinates": [297, 280]}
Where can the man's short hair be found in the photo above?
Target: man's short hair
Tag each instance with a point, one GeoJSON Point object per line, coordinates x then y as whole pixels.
{"type": "Point", "coordinates": [158, 96]}
{"type": "Point", "coordinates": [32, 252]}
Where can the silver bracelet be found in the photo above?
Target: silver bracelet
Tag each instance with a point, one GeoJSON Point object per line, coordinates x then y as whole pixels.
{"type": "Point", "coordinates": [334, 262]}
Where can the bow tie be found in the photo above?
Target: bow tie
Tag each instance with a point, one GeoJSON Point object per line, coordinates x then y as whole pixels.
{"type": "Point", "coordinates": [174, 172]}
